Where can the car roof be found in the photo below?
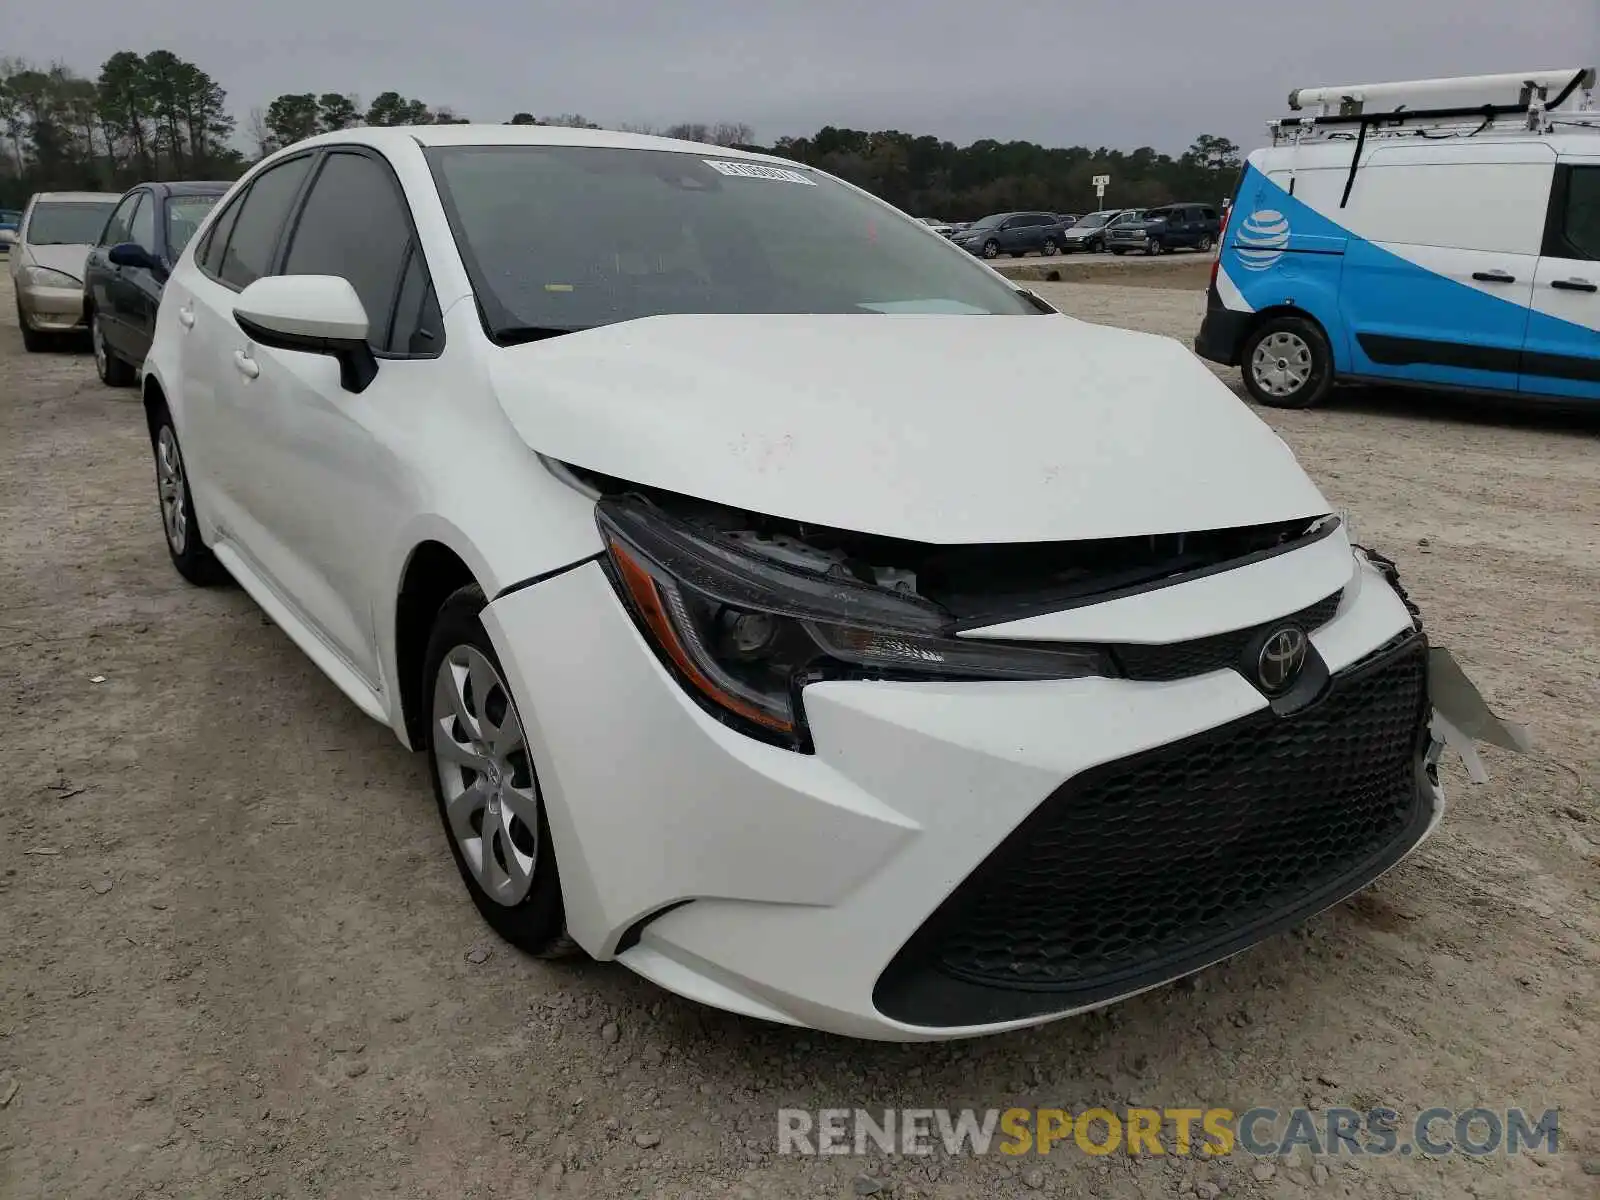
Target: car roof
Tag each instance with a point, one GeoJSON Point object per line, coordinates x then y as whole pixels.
{"type": "Point", "coordinates": [195, 187]}
{"type": "Point", "coordinates": [74, 197]}
{"type": "Point", "coordinates": [182, 187]}
{"type": "Point", "coordinates": [393, 138]}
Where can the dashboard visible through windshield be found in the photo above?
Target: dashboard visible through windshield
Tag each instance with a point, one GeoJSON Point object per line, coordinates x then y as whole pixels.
{"type": "Point", "coordinates": [558, 238]}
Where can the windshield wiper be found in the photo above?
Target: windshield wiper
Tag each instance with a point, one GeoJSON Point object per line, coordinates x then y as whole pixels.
{"type": "Point", "coordinates": [517, 335]}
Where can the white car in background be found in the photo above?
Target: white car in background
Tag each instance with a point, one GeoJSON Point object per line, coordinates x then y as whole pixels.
{"type": "Point", "coordinates": [47, 255]}
{"type": "Point", "coordinates": [779, 618]}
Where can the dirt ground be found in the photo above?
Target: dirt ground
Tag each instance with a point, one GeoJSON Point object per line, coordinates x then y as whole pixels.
{"type": "Point", "coordinates": [238, 962]}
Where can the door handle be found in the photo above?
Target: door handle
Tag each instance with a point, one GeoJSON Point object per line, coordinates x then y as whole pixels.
{"type": "Point", "coordinates": [248, 367]}
{"type": "Point", "coordinates": [1493, 277]}
{"type": "Point", "coordinates": [186, 317]}
{"type": "Point", "coordinates": [1574, 285]}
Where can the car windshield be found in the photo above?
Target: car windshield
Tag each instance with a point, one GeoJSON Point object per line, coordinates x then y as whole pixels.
{"type": "Point", "coordinates": [184, 214]}
{"type": "Point", "coordinates": [559, 238]}
{"type": "Point", "coordinates": [1093, 220]}
{"type": "Point", "coordinates": [69, 223]}
{"type": "Point", "coordinates": [987, 222]}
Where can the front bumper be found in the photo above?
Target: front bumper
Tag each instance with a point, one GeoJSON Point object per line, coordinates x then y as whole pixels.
{"type": "Point", "coordinates": [51, 309]}
{"type": "Point", "coordinates": [1222, 334]}
{"type": "Point", "coordinates": [799, 888]}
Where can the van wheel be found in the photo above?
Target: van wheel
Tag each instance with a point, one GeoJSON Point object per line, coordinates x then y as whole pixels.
{"type": "Point", "coordinates": [1287, 363]}
{"type": "Point", "coordinates": [1205, 244]}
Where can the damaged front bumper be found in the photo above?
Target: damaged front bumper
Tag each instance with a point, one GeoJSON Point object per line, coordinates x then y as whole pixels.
{"type": "Point", "coordinates": [1461, 716]}
{"type": "Point", "coordinates": [812, 889]}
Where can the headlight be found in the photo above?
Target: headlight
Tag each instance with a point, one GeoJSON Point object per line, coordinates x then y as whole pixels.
{"type": "Point", "coordinates": [45, 277]}
{"type": "Point", "coordinates": [744, 634]}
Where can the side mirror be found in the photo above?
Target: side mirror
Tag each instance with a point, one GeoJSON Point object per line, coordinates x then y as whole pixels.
{"type": "Point", "coordinates": [312, 314]}
{"type": "Point", "coordinates": [131, 254]}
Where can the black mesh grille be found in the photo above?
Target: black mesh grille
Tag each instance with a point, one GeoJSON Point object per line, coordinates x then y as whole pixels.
{"type": "Point", "coordinates": [1179, 660]}
{"type": "Point", "coordinates": [1160, 863]}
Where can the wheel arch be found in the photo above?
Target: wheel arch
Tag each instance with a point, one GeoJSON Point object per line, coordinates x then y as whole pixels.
{"type": "Point", "coordinates": [1289, 309]}
{"type": "Point", "coordinates": [433, 572]}
{"type": "Point", "coordinates": [154, 397]}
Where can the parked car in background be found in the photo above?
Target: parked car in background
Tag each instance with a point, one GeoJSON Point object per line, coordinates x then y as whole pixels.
{"type": "Point", "coordinates": [1171, 227]}
{"type": "Point", "coordinates": [47, 258]}
{"type": "Point", "coordinates": [10, 218]}
{"type": "Point", "coordinates": [1011, 233]}
{"type": "Point", "coordinates": [1089, 232]}
{"type": "Point", "coordinates": [938, 226]}
{"type": "Point", "coordinates": [127, 270]}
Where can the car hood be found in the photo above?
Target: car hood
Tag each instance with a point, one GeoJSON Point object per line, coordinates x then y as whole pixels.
{"type": "Point", "coordinates": [937, 429]}
{"type": "Point", "coordinates": [68, 258]}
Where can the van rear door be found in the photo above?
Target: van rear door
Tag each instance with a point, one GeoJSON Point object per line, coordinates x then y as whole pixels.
{"type": "Point", "coordinates": [1562, 353]}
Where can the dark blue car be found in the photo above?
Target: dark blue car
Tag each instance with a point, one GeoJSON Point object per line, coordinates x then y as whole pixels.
{"type": "Point", "coordinates": [127, 270]}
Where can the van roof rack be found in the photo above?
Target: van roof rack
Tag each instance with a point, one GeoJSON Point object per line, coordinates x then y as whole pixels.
{"type": "Point", "coordinates": [1518, 101]}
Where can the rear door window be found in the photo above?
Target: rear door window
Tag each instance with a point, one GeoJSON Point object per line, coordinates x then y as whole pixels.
{"type": "Point", "coordinates": [253, 241]}
{"type": "Point", "coordinates": [209, 256]}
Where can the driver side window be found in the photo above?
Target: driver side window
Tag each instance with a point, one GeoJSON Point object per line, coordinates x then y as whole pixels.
{"type": "Point", "coordinates": [142, 229]}
{"type": "Point", "coordinates": [355, 224]}
{"type": "Point", "coordinates": [116, 230]}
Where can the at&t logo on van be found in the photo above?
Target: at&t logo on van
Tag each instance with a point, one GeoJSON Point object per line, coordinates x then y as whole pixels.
{"type": "Point", "coordinates": [1262, 239]}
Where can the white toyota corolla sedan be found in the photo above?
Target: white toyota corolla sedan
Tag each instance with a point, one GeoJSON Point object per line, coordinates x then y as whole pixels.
{"type": "Point", "coordinates": [791, 608]}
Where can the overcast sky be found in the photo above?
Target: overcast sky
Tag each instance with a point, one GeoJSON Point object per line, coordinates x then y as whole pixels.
{"type": "Point", "coordinates": [1120, 73]}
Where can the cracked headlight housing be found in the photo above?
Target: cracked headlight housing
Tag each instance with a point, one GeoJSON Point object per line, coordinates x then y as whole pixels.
{"type": "Point", "coordinates": [744, 634]}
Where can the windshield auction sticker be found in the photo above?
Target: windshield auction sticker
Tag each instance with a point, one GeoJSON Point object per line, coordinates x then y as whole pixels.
{"type": "Point", "coordinates": [758, 171]}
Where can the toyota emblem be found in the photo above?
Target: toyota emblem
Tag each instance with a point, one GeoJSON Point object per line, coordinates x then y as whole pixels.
{"type": "Point", "coordinates": [1282, 656]}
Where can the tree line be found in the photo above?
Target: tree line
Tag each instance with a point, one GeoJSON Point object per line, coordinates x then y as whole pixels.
{"type": "Point", "coordinates": [158, 116]}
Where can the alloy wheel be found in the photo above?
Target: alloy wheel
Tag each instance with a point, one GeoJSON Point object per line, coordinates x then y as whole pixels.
{"type": "Point", "coordinates": [485, 775]}
{"type": "Point", "coordinates": [97, 340]}
{"type": "Point", "coordinates": [171, 485]}
{"type": "Point", "coordinates": [1281, 363]}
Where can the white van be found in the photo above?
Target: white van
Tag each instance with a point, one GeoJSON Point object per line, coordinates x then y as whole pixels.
{"type": "Point", "coordinates": [1446, 247]}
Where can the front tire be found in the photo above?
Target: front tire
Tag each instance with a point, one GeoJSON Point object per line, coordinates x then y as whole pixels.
{"type": "Point", "coordinates": [486, 786]}
{"type": "Point", "coordinates": [113, 371]}
{"type": "Point", "coordinates": [189, 554]}
{"type": "Point", "coordinates": [991, 249]}
{"type": "Point", "coordinates": [1287, 363]}
{"type": "Point", "coordinates": [1152, 247]}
